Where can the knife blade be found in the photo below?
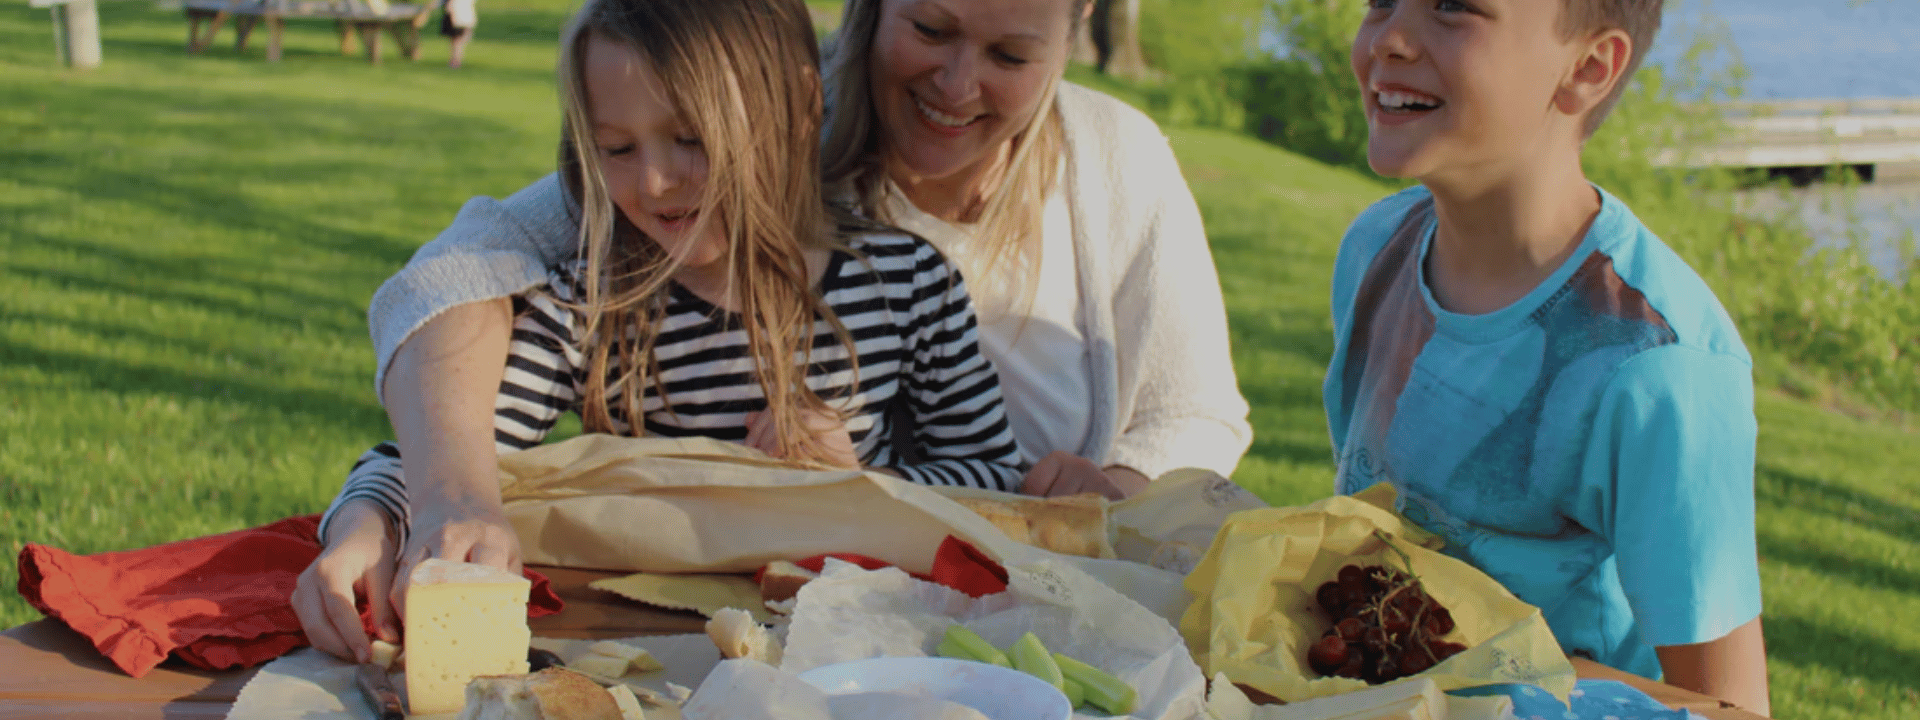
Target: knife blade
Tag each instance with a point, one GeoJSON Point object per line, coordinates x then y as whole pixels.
{"type": "Point", "coordinates": [378, 689]}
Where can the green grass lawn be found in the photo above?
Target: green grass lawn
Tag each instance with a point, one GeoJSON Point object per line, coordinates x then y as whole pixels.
{"type": "Point", "coordinates": [187, 246]}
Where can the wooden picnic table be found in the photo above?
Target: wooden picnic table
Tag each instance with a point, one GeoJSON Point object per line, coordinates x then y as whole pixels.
{"type": "Point", "coordinates": [54, 672]}
{"type": "Point", "coordinates": [364, 18]}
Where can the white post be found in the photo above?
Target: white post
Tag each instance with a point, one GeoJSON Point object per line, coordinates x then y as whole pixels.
{"type": "Point", "coordinates": [76, 30]}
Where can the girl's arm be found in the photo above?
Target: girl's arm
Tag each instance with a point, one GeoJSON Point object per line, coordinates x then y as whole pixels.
{"type": "Point", "coordinates": [449, 443]}
{"type": "Point", "coordinates": [454, 510]}
{"type": "Point", "coordinates": [1732, 668]}
{"type": "Point", "coordinates": [959, 419]}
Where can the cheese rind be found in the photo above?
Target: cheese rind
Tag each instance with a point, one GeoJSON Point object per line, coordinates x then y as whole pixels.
{"type": "Point", "coordinates": [463, 621]}
{"type": "Point", "coordinates": [629, 704]}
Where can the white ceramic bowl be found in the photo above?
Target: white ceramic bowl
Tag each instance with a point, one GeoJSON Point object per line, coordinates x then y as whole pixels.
{"type": "Point", "coordinates": [997, 692]}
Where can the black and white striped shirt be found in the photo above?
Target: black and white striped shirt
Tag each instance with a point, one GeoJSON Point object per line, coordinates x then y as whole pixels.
{"type": "Point", "coordinates": [913, 327]}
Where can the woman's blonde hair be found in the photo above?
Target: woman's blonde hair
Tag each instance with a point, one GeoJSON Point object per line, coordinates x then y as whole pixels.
{"type": "Point", "coordinates": [744, 77]}
{"type": "Point", "coordinates": [1009, 224]}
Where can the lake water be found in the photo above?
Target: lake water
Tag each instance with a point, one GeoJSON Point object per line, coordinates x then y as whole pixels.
{"type": "Point", "coordinates": [1807, 48]}
{"type": "Point", "coordinates": [1795, 49]}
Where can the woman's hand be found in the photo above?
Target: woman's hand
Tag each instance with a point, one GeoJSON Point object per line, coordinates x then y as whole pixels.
{"type": "Point", "coordinates": [357, 562]}
{"type": "Point", "coordinates": [1064, 473]}
{"type": "Point", "coordinates": [830, 438]}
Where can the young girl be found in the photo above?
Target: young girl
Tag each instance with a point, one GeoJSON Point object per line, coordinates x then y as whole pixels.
{"type": "Point", "coordinates": [708, 265]}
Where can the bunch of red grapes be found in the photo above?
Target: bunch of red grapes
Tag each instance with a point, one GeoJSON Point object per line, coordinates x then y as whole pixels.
{"type": "Point", "coordinates": [1385, 626]}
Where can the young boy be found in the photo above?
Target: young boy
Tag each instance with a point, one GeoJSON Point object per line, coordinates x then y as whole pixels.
{"type": "Point", "coordinates": [1543, 381]}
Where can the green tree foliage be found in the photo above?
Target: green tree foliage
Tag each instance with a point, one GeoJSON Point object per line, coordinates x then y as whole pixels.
{"type": "Point", "coordinates": [1306, 99]}
{"type": "Point", "coordinates": [1194, 48]}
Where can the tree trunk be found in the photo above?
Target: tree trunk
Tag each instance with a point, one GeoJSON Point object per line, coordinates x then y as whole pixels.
{"type": "Point", "coordinates": [1085, 47]}
{"type": "Point", "coordinates": [1121, 54]}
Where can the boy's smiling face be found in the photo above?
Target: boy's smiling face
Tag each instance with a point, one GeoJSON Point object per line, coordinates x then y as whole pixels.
{"type": "Point", "coordinates": [1463, 89]}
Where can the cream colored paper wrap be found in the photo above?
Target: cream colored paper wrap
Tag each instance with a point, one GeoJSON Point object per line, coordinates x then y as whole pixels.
{"type": "Point", "coordinates": [702, 505]}
{"type": "Point", "coordinates": [707, 506]}
{"type": "Point", "coordinates": [1254, 615]}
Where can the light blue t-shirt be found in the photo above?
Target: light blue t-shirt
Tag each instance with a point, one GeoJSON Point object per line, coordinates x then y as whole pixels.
{"type": "Point", "coordinates": [1590, 446]}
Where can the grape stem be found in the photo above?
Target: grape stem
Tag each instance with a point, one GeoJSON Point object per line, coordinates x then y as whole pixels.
{"type": "Point", "coordinates": [1416, 631]}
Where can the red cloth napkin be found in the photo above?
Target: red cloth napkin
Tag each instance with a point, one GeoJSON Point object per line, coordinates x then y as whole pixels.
{"type": "Point", "coordinates": [957, 564]}
{"type": "Point", "coordinates": [216, 602]}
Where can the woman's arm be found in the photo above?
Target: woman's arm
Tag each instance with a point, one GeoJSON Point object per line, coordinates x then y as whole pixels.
{"type": "Point", "coordinates": [1064, 473]}
{"type": "Point", "coordinates": [1175, 368]}
{"type": "Point", "coordinates": [1732, 668]}
{"type": "Point", "coordinates": [493, 249]}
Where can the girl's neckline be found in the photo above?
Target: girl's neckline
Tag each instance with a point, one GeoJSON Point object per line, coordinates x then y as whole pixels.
{"type": "Point", "coordinates": [679, 294]}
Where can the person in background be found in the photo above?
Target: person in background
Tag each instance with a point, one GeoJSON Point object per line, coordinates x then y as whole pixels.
{"type": "Point", "coordinates": [716, 294]}
{"type": "Point", "coordinates": [1064, 208]}
{"type": "Point", "coordinates": [457, 20]}
{"type": "Point", "coordinates": [1543, 381]}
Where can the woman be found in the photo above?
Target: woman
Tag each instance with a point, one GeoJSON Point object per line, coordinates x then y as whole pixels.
{"type": "Point", "coordinates": [1063, 207]}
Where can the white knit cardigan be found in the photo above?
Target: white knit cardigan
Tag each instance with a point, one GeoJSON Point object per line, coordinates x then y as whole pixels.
{"type": "Point", "coordinates": [1164, 394]}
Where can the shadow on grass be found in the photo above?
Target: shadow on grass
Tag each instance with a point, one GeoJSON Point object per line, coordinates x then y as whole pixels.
{"type": "Point", "coordinates": [239, 204]}
{"type": "Point", "coordinates": [206, 158]}
{"type": "Point", "coordinates": [1860, 571]}
{"type": "Point", "coordinates": [148, 276]}
{"type": "Point", "coordinates": [1870, 657]}
{"type": "Point", "coordinates": [531, 27]}
{"type": "Point", "coordinates": [128, 378]}
{"type": "Point", "coordinates": [1784, 488]}
{"type": "Point", "coordinates": [132, 338]}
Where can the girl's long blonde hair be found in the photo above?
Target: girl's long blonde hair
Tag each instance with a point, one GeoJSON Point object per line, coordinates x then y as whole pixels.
{"type": "Point", "coordinates": [1009, 225]}
{"type": "Point", "coordinates": [744, 76]}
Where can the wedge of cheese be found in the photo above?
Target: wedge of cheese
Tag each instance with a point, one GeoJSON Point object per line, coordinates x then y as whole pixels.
{"type": "Point", "coordinates": [463, 621]}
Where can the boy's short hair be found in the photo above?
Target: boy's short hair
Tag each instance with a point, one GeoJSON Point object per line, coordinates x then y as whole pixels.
{"type": "Point", "coordinates": [1640, 19]}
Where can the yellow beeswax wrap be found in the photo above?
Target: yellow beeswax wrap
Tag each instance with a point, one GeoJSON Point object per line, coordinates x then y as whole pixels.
{"type": "Point", "coordinates": [702, 593]}
{"type": "Point", "coordinates": [1254, 615]}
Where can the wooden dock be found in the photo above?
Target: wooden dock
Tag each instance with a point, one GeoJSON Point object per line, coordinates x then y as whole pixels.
{"type": "Point", "coordinates": [1789, 134]}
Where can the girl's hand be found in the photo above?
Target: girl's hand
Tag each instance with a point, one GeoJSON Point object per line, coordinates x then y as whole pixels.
{"type": "Point", "coordinates": [830, 438]}
{"type": "Point", "coordinates": [1064, 473]}
{"type": "Point", "coordinates": [358, 562]}
{"type": "Point", "coordinates": [474, 532]}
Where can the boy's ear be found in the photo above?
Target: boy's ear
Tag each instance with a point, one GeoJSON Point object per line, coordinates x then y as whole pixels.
{"type": "Point", "coordinates": [1599, 66]}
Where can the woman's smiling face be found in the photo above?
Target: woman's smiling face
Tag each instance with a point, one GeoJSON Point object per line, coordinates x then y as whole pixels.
{"type": "Point", "coordinates": [955, 80]}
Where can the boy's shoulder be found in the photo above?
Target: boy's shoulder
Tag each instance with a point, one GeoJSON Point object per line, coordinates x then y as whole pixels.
{"type": "Point", "coordinates": [1367, 235]}
{"type": "Point", "coordinates": [1377, 224]}
{"type": "Point", "coordinates": [1646, 265]}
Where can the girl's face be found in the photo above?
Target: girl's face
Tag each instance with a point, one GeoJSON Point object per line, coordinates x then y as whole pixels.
{"type": "Point", "coordinates": [655, 167]}
{"type": "Point", "coordinates": [955, 80]}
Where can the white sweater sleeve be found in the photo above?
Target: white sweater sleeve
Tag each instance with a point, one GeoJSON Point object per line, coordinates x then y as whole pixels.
{"type": "Point", "coordinates": [493, 249]}
{"type": "Point", "coordinates": [1170, 320]}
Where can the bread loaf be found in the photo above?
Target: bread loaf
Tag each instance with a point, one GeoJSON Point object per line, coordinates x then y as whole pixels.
{"type": "Point", "coordinates": [1069, 525]}
{"type": "Point", "coordinates": [551, 694]}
